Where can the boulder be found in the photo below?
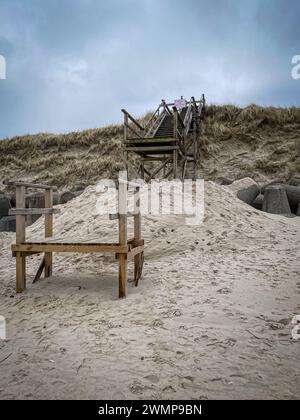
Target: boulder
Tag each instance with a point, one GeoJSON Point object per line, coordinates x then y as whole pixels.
{"type": "Point", "coordinates": [295, 181]}
{"type": "Point", "coordinates": [66, 196]}
{"type": "Point", "coordinates": [262, 190]}
{"type": "Point", "coordinates": [258, 202]}
{"type": "Point", "coordinates": [79, 192]}
{"type": "Point", "coordinates": [246, 189]}
{"type": "Point", "coordinates": [293, 195]}
{"type": "Point", "coordinates": [276, 201]}
{"type": "Point", "coordinates": [4, 205]}
{"type": "Point", "coordinates": [298, 210]}
{"type": "Point", "coordinates": [8, 224]}
{"type": "Point", "coordinates": [223, 181]}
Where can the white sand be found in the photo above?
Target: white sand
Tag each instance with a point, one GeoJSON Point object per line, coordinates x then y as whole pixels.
{"type": "Point", "coordinates": [211, 317]}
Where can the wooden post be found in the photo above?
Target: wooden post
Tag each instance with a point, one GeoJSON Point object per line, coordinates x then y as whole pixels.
{"type": "Point", "coordinates": [122, 210]}
{"type": "Point", "coordinates": [20, 238]}
{"type": "Point", "coordinates": [137, 232]}
{"type": "Point", "coordinates": [175, 157]}
{"type": "Point", "coordinates": [48, 231]}
{"type": "Point", "coordinates": [125, 126]}
{"type": "Point", "coordinates": [142, 169]}
{"type": "Point", "coordinates": [195, 130]}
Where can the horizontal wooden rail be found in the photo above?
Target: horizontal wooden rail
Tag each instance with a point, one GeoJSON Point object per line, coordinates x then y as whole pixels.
{"type": "Point", "coordinates": [26, 212]}
{"type": "Point", "coordinates": [31, 185]}
{"type": "Point", "coordinates": [68, 247]}
{"type": "Point", "coordinates": [115, 216]}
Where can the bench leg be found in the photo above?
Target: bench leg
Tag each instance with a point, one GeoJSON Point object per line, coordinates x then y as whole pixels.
{"type": "Point", "coordinates": [48, 264]}
{"type": "Point", "coordinates": [20, 272]}
{"type": "Point", "coordinates": [122, 275]}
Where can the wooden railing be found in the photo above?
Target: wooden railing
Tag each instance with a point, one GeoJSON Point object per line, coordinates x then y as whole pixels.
{"type": "Point", "coordinates": [138, 130]}
{"type": "Point", "coordinates": [181, 127]}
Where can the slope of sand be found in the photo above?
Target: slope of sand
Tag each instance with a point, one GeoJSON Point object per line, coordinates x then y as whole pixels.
{"type": "Point", "coordinates": [211, 317]}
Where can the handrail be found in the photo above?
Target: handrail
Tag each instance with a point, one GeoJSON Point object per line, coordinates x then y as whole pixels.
{"type": "Point", "coordinates": [175, 110]}
{"type": "Point", "coordinates": [166, 107]}
{"type": "Point", "coordinates": [152, 117]}
{"type": "Point", "coordinates": [132, 119]}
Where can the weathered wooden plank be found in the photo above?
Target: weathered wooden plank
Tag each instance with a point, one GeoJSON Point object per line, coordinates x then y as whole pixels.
{"type": "Point", "coordinates": [26, 212]}
{"type": "Point", "coordinates": [122, 207]}
{"type": "Point", "coordinates": [48, 231]}
{"type": "Point", "coordinates": [20, 237]}
{"type": "Point", "coordinates": [146, 141]}
{"type": "Point", "coordinates": [115, 216]}
{"type": "Point", "coordinates": [31, 185]}
{"type": "Point", "coordinates": [63, 247]}
{"type": "Point", "coordinates": [158, 149]}
{"type": "Point", "coordinates": [40, 270]}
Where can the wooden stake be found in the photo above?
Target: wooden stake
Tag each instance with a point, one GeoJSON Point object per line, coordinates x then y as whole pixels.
{"type": "Point", "coordinates": [137, 233]}
{"type": "Point", "coordinates": [48, 231]}
{"type": "Point", "coordinates": [20, 238]}
{"type": "Point", "coordinates": [122, 203]}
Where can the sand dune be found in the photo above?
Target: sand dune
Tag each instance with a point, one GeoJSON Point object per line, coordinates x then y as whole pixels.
{"type": "Point", "coordinates": [211, 317]}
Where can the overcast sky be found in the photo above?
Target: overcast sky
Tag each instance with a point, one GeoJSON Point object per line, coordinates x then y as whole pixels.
{"type": "Point", "coordinates": [73, 64]}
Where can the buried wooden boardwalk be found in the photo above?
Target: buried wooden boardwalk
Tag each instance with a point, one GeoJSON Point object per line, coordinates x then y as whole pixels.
{"type": "Point", "coordinates": [123, 249]}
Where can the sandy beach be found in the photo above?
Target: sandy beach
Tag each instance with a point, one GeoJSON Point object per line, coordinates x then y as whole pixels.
{"type": "Point", "coordinates": [211, 317]}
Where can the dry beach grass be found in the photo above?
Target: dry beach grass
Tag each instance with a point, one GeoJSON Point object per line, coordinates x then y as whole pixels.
{"type": "Point", "coordinates": [263, 143]}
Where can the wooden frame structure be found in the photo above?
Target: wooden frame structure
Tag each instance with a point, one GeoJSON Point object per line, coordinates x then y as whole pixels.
{"type": "Point", "coordinates": [125, 248]}
{"type": "Point", "coordinates": [169, 137]}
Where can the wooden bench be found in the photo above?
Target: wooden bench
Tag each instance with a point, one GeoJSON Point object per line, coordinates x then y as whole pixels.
{"type": "Point", "coordinates": [123, 249]}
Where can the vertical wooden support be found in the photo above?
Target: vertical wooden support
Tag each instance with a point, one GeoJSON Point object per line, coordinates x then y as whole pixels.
{"type": "Point", "coordinates": [125, 126]}
{"type": "Point", "coordinates": [122, 202]}
{"type": "Point", "coordinates": [20, 238]}
{"type": "Point", "coordinates": [48, 231]}
{"type": "Point", "coordinates": [175, 163]}
{"type": "Point", "coordinates": [175, 152]}
{"type": "Point", "coordinates": [142, 169]}
{"type": "Point", "coordinates": [195, 149]}
{"type": "Point", "coordinates": [137, 233]}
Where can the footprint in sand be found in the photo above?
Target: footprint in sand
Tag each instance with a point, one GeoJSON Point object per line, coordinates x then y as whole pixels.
{"type": "Point", "coordinates": [152, 378]}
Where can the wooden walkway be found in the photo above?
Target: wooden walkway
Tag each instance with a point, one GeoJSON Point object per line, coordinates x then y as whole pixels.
{"type": "Point", "coordinates": [169, 137]}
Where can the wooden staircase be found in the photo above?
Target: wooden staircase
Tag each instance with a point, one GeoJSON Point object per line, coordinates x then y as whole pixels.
{"type": "Point", "coordinates": [169, 137]}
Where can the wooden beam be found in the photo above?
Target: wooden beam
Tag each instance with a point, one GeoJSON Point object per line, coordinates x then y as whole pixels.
{"type": "Point", "coordinates": [31, 185]}
{"type": "Point", "coordinates": [151, 148]}
{"type": "Point", "coordinates": [20, 237]}
{"type": "Point", "coordinates": [26, 212]}
{"type": "Point", "coordinates": [137, 234]}
{"type": "Point", "coordinates": [159, 169]}
{"type": "Point", "coordinates": [122, 209]}
{"type": "Point", "coordinates": [48, 231]}
{"type": "Point", "coordinates": [132, 119]}
{"type": "Point", "coordinates": [75, 247]}
{"type": "Point", "coordinates": [115, 216]}
{"type": "Point", "coordinates": [40, 270]}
